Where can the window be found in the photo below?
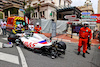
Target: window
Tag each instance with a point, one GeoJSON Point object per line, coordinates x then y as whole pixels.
{"type": "Point", "coordinates": [36, 14]}
{"type": "Point", "coordinates": [59, 15]}
{"type": "Point", "coordinates": [59, 2]}
{"type": "Point", "coordinates": [43, 13]}
{"type": "Point", "coordinates": [64, 3]}
{"type": "Point", "coordinates": [20, 21]}
{"type": "Point", "coordinates": [51, 0]}
{"type": "Point", "coordinates": [68, 5]}
{"type": "Point", "coordinates": [53, 14]}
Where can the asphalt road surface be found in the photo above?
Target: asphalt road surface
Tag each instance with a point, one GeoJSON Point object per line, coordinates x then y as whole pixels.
{"type": "Point", "coordinates": [18, 56]}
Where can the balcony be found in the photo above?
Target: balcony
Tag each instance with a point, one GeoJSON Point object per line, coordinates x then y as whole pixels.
{"type": "Point", "coordinates": [69, 1]}
{"type": "Point", "coordinates": [35, 3]}
{"type": "Point", "coordinates": [1, 9]}
{"type": "Point", "coordinates": [62, 6]}
{"type": "Point", "coordinates": [43, 2]}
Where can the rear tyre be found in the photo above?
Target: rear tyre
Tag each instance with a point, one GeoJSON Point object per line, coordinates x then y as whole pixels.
{"type": "Point", "coordinates": [11, 38]}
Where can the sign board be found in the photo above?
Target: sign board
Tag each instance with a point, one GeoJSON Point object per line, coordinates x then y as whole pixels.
{"type": "Point", "coordinates": [88, 16]}
{"type": "Point", "coordinates": [93, 19]}
{"type": "Point", "coordinates": [21, 9]}
{"type": "Point", "coordinates": [92, 23]}
{"type": "Point", "coordinates": [88, 20]}
{"type": "Point", "coordinates": [98, 17]}
{"type": "Point", "coordinates": [72, 20]}
{"type": "Point", "coordinates": [85, 20]}
{"type": "Point", "coordinates": [85, 13]}
{"type": "Point", "coordinates": [70, 16]}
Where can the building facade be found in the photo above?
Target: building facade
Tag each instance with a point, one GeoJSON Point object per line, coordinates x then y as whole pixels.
{"type": "Point", "coordinates": [8, 7]}
{"type": "Point", "coordinates": [47, 8]}
{"type": "Point", "coordinates": [98, 6]}
{"type": "Point", "coordinates": [87, 7]}
{"type": "Point", "coordinates": [61, 13]}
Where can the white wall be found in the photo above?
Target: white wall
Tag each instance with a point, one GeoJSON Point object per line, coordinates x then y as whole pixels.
{"type": "Point", "coordinates": [49, 1]}
{"type": "Point", "coordinates": [49, 11]}
{"type": "Point", "coordinates": [20, 13]}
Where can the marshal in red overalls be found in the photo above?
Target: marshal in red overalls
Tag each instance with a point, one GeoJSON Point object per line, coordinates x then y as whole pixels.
{"type": "Point", "coordinates": [37, 28]}
{"type": "Point", "coordinates": [84, 33]}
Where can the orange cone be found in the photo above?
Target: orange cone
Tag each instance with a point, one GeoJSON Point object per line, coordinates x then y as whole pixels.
{"type": "Point", "coordinates": [99, 47]}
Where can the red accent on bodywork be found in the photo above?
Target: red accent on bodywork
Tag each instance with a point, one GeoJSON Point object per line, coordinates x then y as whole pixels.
{"type": "Point", "coordinates": [44, 43]}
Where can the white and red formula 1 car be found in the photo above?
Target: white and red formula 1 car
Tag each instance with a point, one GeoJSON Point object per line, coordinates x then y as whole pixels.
{"type": "Point", "coordinates": [39, 43]}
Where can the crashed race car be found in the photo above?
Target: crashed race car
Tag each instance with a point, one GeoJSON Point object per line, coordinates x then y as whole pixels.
{"type": "Point", "coordinates": [39, 44]}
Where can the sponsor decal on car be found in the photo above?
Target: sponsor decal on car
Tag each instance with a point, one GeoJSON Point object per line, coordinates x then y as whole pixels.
{"type": "Point", "coordinates": [29, 44]}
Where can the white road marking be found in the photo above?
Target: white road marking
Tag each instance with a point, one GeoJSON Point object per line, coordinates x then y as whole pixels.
{"type": "Point", "coordinates": [1, 44]}
{"type": "Point", "coordinates": [9, 58]}
{"type": "Point", "coordinates": [4, 38]}
{"type": "Point", "coordinates": [7, 35]}
{"type": "Point", "coordinates": [23, 61]}
{"type": "Point", "coordinates": [0, 31]}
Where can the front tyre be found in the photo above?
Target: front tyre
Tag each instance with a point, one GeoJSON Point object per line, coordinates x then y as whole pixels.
{"type": "Point", "coordinates": [18, 42]}
{"type": "Point", "coordinates": [54, 53]}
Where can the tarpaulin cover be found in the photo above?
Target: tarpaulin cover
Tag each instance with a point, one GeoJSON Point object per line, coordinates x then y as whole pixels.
{"type": "Point", "coordinates": [47, 26]}
{"type": "Point", "coordinates": [61, 26]}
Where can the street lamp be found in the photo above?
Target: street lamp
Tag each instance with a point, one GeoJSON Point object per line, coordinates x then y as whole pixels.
{"type": "Point", "coordinates": [29, 11]}
{"type": "Point", "coordinates": [38, 4]}
{"type": "Point", "coordinates": [24, 8]}
{"type": "Point", "coordinates": [29, 8]}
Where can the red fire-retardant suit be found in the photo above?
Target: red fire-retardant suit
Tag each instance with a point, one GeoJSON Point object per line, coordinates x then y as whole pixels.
{"type": "Point", "coordinates": [37, 29]}
{"type": "Point", "coordinates": [84, 33]}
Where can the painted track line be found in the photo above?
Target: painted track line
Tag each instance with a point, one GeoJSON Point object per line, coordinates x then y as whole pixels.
{"type": "Point", "coordinates": [1, 44]}
{"type": "Point", "coordinates": [9, 58]}
{"type": "Point", "coordinates": [23, 60]}
{"type": "Point", "coordinates": [4, 38]}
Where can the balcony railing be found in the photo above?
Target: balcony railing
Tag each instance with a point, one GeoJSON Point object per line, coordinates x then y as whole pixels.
{"type": "Point", "coordinates": [69, 1]}
{"type": "Point", "coordinates": [62, 6]}
{"type": "Point", "coordinates": [43, 1]}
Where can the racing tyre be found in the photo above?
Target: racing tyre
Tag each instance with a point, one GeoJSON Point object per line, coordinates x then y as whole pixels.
{"type": "Point", "coordinates": [18, 42]}
{"type": "Point", "coordinates": [11, 38]}
{"type": "Point", "coordinates": [54, 53]}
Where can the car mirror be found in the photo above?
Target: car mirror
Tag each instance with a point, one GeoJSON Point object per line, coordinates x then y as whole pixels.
{"type": "Point", "coordinates": [50, 38]}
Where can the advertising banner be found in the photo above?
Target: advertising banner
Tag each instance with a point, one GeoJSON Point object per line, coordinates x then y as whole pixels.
{"type": "Point", "coordinates": [98, 17]}
{"type": "Point", "coordinates": [70, 16]}
{"type": "Point", "coordinates": [76, 28]}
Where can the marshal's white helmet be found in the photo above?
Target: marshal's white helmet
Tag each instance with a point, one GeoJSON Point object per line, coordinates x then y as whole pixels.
{"type": "Point", "coordinates": [37, 23]}
{"type": "Point", "coordinates": [85, 23]}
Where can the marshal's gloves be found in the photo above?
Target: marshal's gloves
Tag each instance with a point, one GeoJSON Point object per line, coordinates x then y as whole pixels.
{"type": "Point", "coordinates": [90, 41]}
